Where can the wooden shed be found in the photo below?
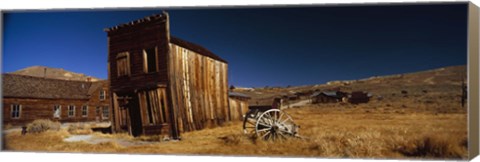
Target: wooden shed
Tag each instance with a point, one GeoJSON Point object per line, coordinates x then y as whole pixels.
{"type": "Point", "coordinates": [27, 98]}
{"type": "Point", "coordinates": [161, 84]}
{"type": "Point", "coordinates": [238, 105]}
{"type": "Point", "coordinates": [328, 97]}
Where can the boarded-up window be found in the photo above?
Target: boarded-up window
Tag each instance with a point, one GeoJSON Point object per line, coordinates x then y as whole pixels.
{"type": "Point", "coordinates": [57, 111]}
{"type": "Point", "coordinates": [123, 116]}
{"type": "Point", "coordinates": [84, 111]}
{"type": "Point", "coordinates": [106, 112]}
{"type": "Point", "coordinates": [71, 111]}
{"type": "Point", "coordinates": [16, 109]}
{"type": "Point", "coordinates": [150, 60]}
{"type": "Point", "coordinates": [154, 101]}
{"type": "Point", "coordinates": [123, 64]}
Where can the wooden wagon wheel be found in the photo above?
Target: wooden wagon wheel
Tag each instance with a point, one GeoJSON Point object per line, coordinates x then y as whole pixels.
{"type": "Point", "coordinates": [250, 121]}
{"type": "Point", "coordinates": [274, 124]}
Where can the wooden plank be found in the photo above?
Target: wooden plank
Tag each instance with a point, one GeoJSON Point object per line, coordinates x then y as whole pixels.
{"type": "Point", "coordinates": [172, 94]}
{"type": "Point", "coordinates": [159, 95]}
{"type": "Point", "coordinates": [116, 110]}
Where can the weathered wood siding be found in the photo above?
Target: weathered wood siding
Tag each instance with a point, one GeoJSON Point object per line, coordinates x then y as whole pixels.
{"type": "Point", "coordinates": [238, 108]}
{"type": "Point", "coordinates": [154, 111]}
{"type": "Point", "coordinates": [198, 89]}
{"type": "Point", "coordinates": [32, 109]}
{"type": "Point", "coordinates": [134, 39]}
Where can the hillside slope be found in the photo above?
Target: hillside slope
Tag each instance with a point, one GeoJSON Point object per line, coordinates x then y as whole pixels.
{"type": "Point", "coordinates": [446, 81]}
{"type": "Point", "coordinates": [53, 73]}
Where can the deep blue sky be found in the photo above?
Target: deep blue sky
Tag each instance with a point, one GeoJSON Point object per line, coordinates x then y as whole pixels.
{"type": "Point", "coordinates": [264, 46]}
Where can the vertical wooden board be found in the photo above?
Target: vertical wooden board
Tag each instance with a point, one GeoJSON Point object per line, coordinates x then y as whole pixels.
{"type": "Point", "coordinates": [195, 101]}
{"type": "Point", "coordinates": [171, 86]}
{"type": "Point", "coordinates": [186, 87]}
{"type": "Point", "coordinates": [148, 110]}
{"type": "Point", "coordinates": [199, 91]}
{"type": "Point", "coordinates": [166, 106]}
{"type": "Point", "coordinates": [116, 109]}
{"type": "Point", "coordinates": [224, 99]}
{"type": "Point", "coordinates": [225, 84]}
{"type": "Point", "coordinates": [188, 102]}
{"type": "Point", "coordinates": [155, 108]}
{"type": "Point", "coordinates": [142, 107]}
{"type": "Point", "coordinates": [206, 79]}
{"type": "Point", "coordinates": [180, 90]}
{"type": "Point", "coordinates": [204, 95]}
{"type": "Point", "coordinates": [161, 107]}
{"type": "Point", "coordinates": [239, 109]}
{"type": "Point", "coordinates": [232, 107]}
{"type": "Point", "coordinates": [184, 90]}
{"type": "Point", "coordinates": [223, 92]}
{"type": "Point", "coordinates": [244, 105]}
{"type": "Point", "coordinates": [193, 90]}
{"type": "Point", "coordinates": [170, 101]}
{"type": "Point", "coordinates": [211, 89]}
{"type": "Point", "coordinates": [217, 92]}
{"type": "Point", "coordinates": [220, 90]}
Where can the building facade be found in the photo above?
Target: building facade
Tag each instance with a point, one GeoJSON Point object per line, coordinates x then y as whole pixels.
{"type": "Point", "coordinates": [161, 84]}
{"type": "Point", "coordinates": [27, 98]}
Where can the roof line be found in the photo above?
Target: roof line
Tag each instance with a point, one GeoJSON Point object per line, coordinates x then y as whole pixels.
{"type": "Point", "coordinates": [196, 48]}
{"type": "Point", "coordinates": [138, 21]}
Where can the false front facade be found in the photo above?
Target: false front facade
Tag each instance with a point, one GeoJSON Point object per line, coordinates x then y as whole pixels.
{"type": "Point", "coordinates": [161, 84]}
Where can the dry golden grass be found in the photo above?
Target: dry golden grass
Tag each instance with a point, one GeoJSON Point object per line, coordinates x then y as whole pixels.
{"type": "Point", "coordinates": [80, 129]}
{"type": "Point", "coordinates": [42, 125]}
{"type": "Point", "coordinates": [333, 130]}
{"type": "Point", "coordinates": [427, 122]}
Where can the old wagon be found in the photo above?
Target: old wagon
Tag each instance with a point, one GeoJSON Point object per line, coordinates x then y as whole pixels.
{"type": "Point", "coordinates": [269, 122]}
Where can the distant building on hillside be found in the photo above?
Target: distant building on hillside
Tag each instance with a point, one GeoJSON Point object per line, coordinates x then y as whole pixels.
{"type": "Point", "coordinates": [27, 98]}
{"type": "Point", "coordinates": [328, 97]}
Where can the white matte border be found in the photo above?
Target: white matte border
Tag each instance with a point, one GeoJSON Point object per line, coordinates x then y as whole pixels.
{"type": "Point", "coordinates": [12, 5]}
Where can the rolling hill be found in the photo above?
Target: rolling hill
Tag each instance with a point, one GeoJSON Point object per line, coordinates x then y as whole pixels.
{"type": "Point", "coordinates": [442, 81]}
{"type": "Point", "coordinates": [53, 73]}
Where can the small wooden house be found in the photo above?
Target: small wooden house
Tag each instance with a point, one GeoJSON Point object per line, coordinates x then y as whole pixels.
{"type": "Point", "coordinates": [27, 98]}
{"type": "Point", "coordinates": [328, 97]}
{"type": "Point", "coordinates": [238, 105]}
{"type": "Point", "coordinates": [161, 84]}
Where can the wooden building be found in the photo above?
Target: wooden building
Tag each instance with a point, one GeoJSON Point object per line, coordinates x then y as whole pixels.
{"type": "Point", "coordinates": [328, 97]}
{"type": "Point", "coordinates": [26, 98]}
{"type": "Point", "coordinates": [266, 104]}
{"type": "Point", "coordinates": [238, 105]}
{"type": "Point", "coordinates": [161, 84]}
